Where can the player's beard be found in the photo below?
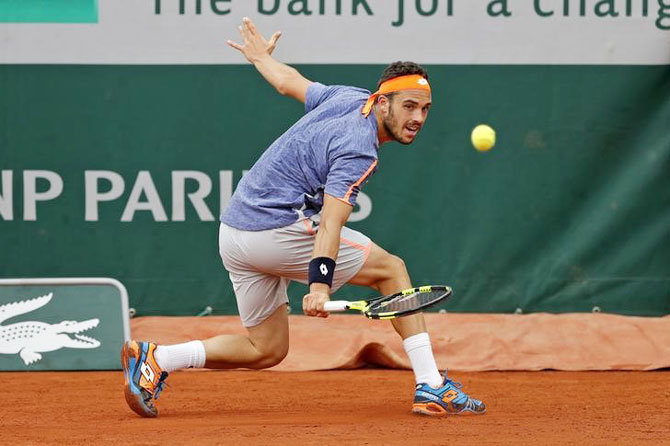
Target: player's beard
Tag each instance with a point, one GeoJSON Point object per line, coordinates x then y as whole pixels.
{"type": "Point", "coordinates": [389, 124]}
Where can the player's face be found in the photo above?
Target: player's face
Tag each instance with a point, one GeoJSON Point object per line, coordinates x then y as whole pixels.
{"type": "Point", "coordinates": [405, 114]}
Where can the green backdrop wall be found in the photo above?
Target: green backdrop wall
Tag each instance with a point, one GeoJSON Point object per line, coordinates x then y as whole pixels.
{"type": "Point", "coordinates": [569, 211]}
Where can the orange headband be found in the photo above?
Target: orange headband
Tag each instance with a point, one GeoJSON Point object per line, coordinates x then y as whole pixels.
{"type": "Point", "coordinates": [408, 82]}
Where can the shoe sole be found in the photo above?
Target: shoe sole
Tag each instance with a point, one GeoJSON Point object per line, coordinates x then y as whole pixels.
{"type": "Point", "coordinates": [133, 394]}
{"type": "Point", "coordinates": [435, 410]}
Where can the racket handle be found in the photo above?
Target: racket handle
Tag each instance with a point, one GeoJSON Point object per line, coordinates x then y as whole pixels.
{"type": "Point", "coordinates": [336, 305]}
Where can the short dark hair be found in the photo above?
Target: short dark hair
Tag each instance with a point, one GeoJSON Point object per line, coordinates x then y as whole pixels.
{"type": "Point", "coordinates": [400, 68]}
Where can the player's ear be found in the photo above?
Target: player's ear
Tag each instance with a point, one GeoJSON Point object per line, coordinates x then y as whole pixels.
{"type": "Point", "coordinates": [384, 103]}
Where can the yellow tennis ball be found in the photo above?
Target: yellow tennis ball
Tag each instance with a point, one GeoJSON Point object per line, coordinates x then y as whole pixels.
{"type": "Point", "coordinates": [483, 137]}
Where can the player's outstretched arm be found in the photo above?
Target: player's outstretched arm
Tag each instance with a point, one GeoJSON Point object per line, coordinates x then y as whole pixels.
{"type": "Point", "coordinates": [286, 80]}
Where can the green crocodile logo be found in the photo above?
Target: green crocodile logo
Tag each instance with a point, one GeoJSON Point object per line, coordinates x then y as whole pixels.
{"type": "Point", "coordinates": [30, 338]}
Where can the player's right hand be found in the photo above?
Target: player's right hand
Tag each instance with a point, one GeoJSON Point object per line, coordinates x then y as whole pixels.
{"type": "Point", "coordinates": [255, 46]}
{"type": "Point", "coordinates": [312, 303]}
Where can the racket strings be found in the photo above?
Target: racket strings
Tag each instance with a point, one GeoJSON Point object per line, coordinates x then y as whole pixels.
{"type": "Point", "coordinates": [408, 302]}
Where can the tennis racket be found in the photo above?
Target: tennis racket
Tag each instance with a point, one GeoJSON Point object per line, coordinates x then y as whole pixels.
{"type": "Point", "coordinates": [402, 303]}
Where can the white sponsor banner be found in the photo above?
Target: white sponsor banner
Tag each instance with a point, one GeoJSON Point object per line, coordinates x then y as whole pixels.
{"type": "Point", "coordinates": [355, 31]}
{"type": "Point", "coordinates": [104, 186]}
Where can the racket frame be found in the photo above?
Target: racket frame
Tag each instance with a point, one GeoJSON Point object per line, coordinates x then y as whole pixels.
{"type": "Point", "coordinates": [364, 306]}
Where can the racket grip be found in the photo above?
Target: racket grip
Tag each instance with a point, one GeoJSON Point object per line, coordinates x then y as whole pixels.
{"type": "Point", "coordinates": [336, 305]}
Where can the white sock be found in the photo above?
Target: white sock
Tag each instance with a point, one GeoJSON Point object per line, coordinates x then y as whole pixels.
{"type": "Point", "coordinates": [423, 363]}
{"type": "Point", "coordinates": [180, 356]}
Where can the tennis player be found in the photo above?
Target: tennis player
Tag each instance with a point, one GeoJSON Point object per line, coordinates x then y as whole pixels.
{"type": "Point", "coordinates": [286, 220]}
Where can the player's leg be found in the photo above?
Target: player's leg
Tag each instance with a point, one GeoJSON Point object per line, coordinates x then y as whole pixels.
{"type": "Point", "coordinates": [361, 262]}
{"type": "Point", "coordinates": [261, 300]}
{"type": "Point", "coordinates": [265, 345]}
{"type": "Point", "coordinates": [146, 365]}
{"type": "Point", "coordinates": [261, 303]}
{"type": "Point", "coordinates": [387, 273]}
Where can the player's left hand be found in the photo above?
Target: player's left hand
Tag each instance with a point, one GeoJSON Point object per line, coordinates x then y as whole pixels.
{"type": "Point", "coordinates": [255, 46]}
{"type": "Point", "coordinates": [312, 303]}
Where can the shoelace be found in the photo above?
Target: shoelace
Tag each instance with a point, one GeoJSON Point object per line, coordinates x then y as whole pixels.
{"type": "Point", "coordinates": [159, 386]}
{"type": "Point", "coordinates": [469, 401]}
{"type": "Point", "coordinates": [449, 381]}
{"type": "Point", "coordinates": [453, 383]}
{"type": "Point", "coordinates": [457, 385]}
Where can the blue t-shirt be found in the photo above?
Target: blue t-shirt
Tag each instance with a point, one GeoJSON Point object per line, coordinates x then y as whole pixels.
{"type": "Point", "coordinates": [332, 149]}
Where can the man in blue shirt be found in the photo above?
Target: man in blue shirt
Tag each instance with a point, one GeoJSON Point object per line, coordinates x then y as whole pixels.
{"type": "Point", "coordinates": [286, 222]}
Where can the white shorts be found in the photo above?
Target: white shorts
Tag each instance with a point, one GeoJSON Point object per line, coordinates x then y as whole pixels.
{"type": "Point", "coordinates": [261, 264]}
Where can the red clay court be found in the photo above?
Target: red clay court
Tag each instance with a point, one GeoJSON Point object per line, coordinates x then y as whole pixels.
{"type": "Point", "coordinates": [359, 407]}
{"type": "Point", "coordinates": [300, 403]}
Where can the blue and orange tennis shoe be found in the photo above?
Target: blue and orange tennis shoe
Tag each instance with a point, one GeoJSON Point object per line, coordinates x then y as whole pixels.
{"type": "Point", "coordinates": [144, 379]}
{"type": "Point", "coordinates": [446, 400]}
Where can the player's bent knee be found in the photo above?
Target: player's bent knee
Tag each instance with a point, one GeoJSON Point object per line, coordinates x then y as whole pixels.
{"type": "Point", "coordinates": [270, 359]}
{"type": "Point", "coordinates": [270, 352]}
{"type": "Point", "coordinates": [396, 266]}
